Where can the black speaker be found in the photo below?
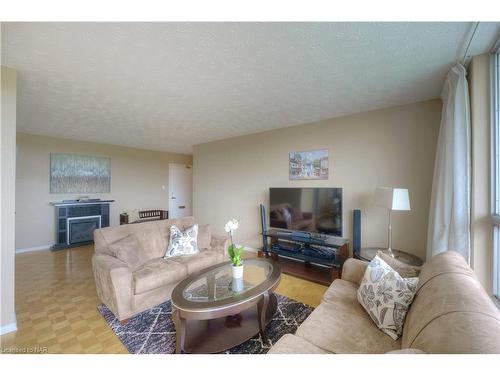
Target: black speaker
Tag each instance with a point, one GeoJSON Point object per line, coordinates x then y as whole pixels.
{"type": "Point", "coordinates": [264, 227]}
{"type": "Point", "coordinates": [356, 230]}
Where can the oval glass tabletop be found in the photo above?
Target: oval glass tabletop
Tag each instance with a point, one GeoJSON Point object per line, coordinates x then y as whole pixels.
{"type": "Point", "coordinates": [217, 283]}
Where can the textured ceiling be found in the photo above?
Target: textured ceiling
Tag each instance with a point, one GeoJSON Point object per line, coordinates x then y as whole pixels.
{"type": "Point", "coordinates": [169, 86]}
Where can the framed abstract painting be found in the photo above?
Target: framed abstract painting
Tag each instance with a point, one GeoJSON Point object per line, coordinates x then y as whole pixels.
{"type": "Point", "coordinates": [71, 174]}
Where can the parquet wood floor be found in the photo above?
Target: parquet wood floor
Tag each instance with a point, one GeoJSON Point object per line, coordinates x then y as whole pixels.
{"type": "Point", "coordinates": [56, 304]}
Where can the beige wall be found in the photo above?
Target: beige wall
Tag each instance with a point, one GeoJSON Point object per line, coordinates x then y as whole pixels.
{"type": "Point", "coordinates": [137, 177]}
{"type": "Point", "coordinates": [389, 147]}
{"type": "Point", "coordinates": [8, 189]}
{"type": "Point", "coordinates": [481, 239]}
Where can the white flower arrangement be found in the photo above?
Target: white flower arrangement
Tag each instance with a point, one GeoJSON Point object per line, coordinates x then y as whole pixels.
{"type": "Point", "coordinates": [231, 226]}
{"type": "Point", "coordinates": [233, 251]}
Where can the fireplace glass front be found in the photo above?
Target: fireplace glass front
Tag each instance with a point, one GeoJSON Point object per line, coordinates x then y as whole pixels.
{"type": "Point", "coordinates": [82, 229]}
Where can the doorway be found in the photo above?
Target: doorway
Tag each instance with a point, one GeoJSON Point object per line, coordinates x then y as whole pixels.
{"type": "Point", "coordinates": [180, 190]}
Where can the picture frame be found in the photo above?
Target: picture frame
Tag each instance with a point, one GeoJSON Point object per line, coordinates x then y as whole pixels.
{"type": "Point", "coordinates": [77, 174]}
{"type": "Point", "coordinates": [308, 165]}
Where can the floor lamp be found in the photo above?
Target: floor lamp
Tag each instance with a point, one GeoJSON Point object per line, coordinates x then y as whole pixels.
{"type": "Point", "coordinates": [394, 200]}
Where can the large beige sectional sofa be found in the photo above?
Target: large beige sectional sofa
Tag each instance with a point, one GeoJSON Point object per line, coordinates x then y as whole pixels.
{"type": "Point", "coordinates": [130, 288]}
{"type": "Point", "coordinates": [451, 313]}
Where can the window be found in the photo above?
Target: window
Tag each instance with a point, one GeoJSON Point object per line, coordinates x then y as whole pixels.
{"type": "Point", "coordinates": [495, 171]}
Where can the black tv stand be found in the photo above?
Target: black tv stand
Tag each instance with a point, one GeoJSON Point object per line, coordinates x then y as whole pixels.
{"type": "Point", "coordinates": [315, 257]}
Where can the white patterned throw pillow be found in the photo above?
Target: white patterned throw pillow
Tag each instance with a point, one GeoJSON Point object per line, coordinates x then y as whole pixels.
{"type": "Point", "coordinates": [182, 242]}
{"type": "Point", "coordinates": [386, 296]}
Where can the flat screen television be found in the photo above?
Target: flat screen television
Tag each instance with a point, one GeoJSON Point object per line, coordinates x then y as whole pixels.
{"type": "Point", "coordinates": [313, 210]}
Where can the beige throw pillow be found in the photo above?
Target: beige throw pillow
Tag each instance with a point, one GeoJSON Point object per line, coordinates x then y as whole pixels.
{"type": "Point", "coordinates": [128, 250]}
{"type": "Point", "coordinates": [204, 236]}
{"type": "Point", "coordinates": [403, 269]}
{"type": "Point", "coordinates": [386, 296]}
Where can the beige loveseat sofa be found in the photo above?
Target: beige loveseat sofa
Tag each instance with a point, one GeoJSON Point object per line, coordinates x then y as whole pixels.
{"type": "Point", "coordinates": [451, 313]}
{"type": "Point", "coordinates": [128, 289]}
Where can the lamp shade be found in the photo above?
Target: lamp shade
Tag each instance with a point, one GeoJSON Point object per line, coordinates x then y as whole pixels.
{"type": "Point", "coordinates": [396, 199]}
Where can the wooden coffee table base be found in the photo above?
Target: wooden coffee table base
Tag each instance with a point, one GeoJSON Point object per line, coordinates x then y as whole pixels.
{"type": "Point", "coordinates": [217, 335]}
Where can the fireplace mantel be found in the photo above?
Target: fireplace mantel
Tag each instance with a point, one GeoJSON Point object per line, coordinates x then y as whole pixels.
{"type": "Point", "coordinates": [80, 202]}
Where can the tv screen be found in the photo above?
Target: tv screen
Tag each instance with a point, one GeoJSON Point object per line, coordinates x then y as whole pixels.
{"type": "Point", "coordinates": [315, 210]}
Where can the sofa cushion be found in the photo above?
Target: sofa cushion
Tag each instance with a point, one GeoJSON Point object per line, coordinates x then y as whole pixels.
{"type": "Point", "coordinates": [204, 236]}
{"type": "Point", "coordinates": [164, 228]}
{"type": "Point", "coordinates": [153, 245]}
{"type": "Point", "coordinates": [403, 269]}
{"type": "Point", "coordinates": [386, 296]}
{"type": "Point", "coordinates": [345, 292]}
{"type": "Point", "coordinates": [339, 326]}
{"type": "Point", "coordinates": [156, 273]}
{"type": "Point", "coordinates": [196, 262]}
{"type": "Point", "coordinates": [128, 250]}
{"type": "Point", "coordinates": [451, 312]}
{"type": "Point", "coordinates": [291, 344]}
{"type": "Point", "coordinates": [220, 244]}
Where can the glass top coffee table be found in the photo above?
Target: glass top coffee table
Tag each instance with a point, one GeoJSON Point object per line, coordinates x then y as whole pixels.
{"type": "Point", "coordinates": [213, 312]}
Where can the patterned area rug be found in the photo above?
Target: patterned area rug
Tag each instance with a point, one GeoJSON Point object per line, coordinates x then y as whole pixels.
{"type": "Point", "coordinates": [153, 331]}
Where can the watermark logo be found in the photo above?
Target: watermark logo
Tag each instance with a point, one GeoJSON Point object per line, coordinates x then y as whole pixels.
{"type": "Point", "coordinates": [24, 350]}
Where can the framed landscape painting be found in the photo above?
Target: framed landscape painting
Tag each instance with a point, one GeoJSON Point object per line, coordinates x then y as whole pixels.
{"type": "Point", "coordinates": [308, 165]}
{"type": "Point", "coordinates": [71, 174]}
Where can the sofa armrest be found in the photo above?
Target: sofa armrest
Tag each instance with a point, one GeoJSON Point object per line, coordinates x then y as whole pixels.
{"type": "Point", "coordinates": [218, 240]}
{"type": "Point", "coordinates": [354, 270]}
{"type": "Point", "coordinates": [220, 243]}
{"type": "Point", "coordinates": [114, 284]}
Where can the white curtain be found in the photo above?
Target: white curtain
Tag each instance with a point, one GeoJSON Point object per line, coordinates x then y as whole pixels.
{"type": "Point", "coordinates": [449, 216]}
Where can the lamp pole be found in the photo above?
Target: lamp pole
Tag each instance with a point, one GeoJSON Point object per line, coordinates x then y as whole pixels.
{"type": "Point", "coordinates": [389, 241]}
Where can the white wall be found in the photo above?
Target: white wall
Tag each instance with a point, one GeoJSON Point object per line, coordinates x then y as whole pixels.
{"type": "Point", "coordinates": [137, 177]}
{"type": "Point", "coordinates": [389, 147]}
{"type": "Point", "coordinates": [7, 187]}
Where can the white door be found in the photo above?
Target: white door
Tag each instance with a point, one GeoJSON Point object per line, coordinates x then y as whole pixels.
{"type": "Point", "coordinates": [180, 190]}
